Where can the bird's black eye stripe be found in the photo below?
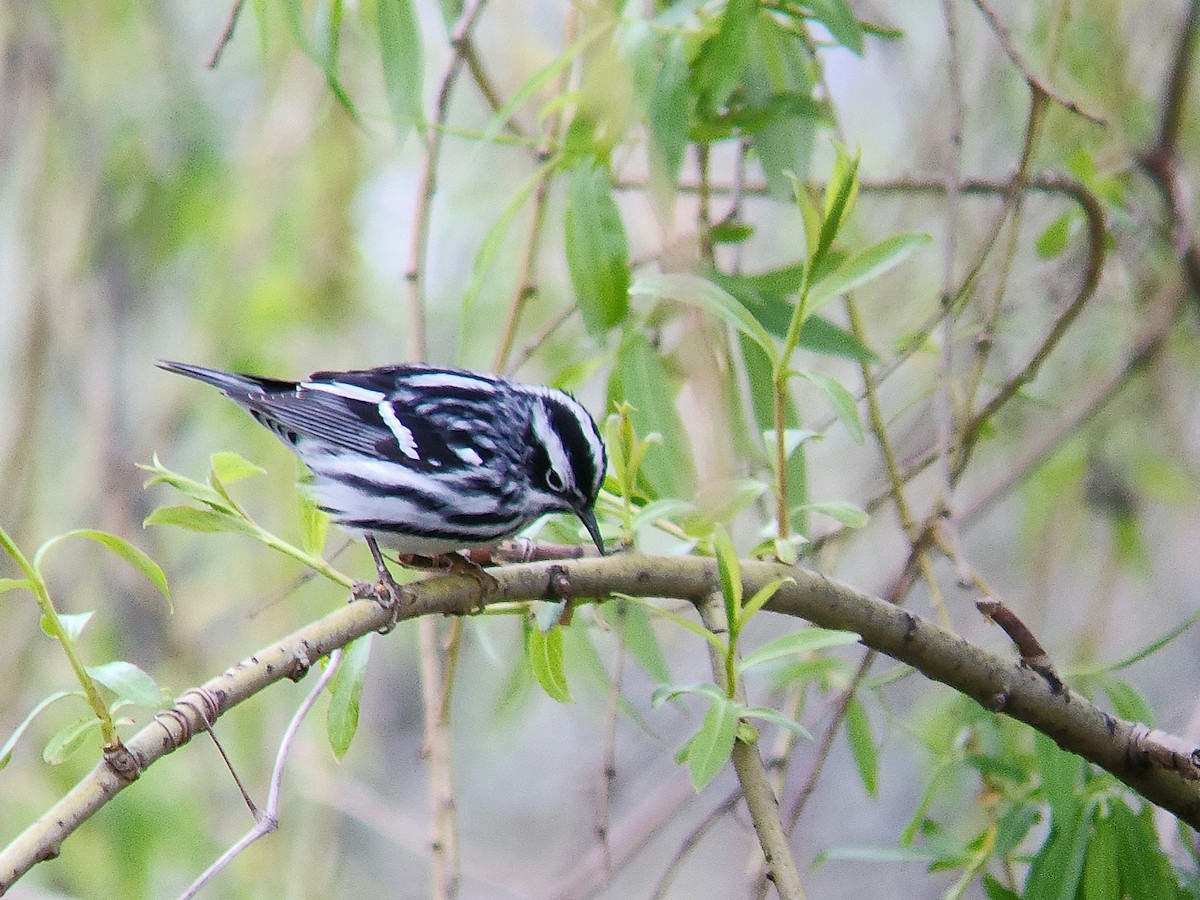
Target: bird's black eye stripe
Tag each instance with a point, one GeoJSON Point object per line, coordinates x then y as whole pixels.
{"type": "Point", "coordinates": [577, 446]}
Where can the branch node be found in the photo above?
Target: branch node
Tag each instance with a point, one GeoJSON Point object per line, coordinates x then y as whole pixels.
{"type": "Point", "coordinates": [123, 763]}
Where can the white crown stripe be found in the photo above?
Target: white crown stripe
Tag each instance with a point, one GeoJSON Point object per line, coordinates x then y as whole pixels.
{"type": "Point", "coordinates": [450, 380]}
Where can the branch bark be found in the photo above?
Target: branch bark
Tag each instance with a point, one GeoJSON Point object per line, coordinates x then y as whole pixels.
{"type": "Point", "coordinates": [1000, 684]}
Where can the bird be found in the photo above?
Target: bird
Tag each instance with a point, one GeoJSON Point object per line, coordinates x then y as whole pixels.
{"type": "Point", "coordinates": [428, 460]}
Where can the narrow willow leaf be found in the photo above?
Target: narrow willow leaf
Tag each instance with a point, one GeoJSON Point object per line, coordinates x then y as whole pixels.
{"type": "Point", "coordinates": [15, 584]}
{"type": "Point", "coordinates": [840, 194]}
{"type": "Point", "coordinates": [545, 655]}
{"type": "Point", "coordinates": [847, 513]}
{"type": "Point", "coordinates": [193, 519]}
{"type": "Point", "coordinates": [1056, 870]}
{"type": "Point", "coordinates": [718, 67]}
{"type": "Point", "coordinates": [68, 740]}
{"type": "Point", "coordinates": [703, 293]}
{"type": "Point", "coordinates": [580, 654]}
{"type": "Point", "coordinates": [840, 400]}
{"type": "Point", "coordinates": [730, 574]}
{"type": "Point", "coordinates": [1053, 241]}
{"type": "Point", "coordinates": [792, 439]}
{"type": "Point", "coordinates": [6, 751]}
{"type": "Point", "coordinates": [709, 750]}
{"type": "Point", "coordinates": [230, 467]}
{"type": "Point", "coordinates": [128, 682]}
{"type": "Point", "coordinates": [121, 547]}
{"type": "Point", "coordinates": [668, 116]}
{"type": "Point", "coordinates": [1127, 702]}
{"type": "Point", "coordinates": [314, 525]}
{"type": "Point", "coordinates": [536, 82]}
{"type": "Point", "coordinates": [760, 598]}
{"type": "Point", "coordinates": [864, 266]}
{"type": "Point", "coordinates": [596, 246]}
{"type": "Point", "coordinates": [639, 638]}
{"type": "Point", "coordinates": [679, 620]}
{"type": "Point", "coordinates": [345, 691]}
{"type": "Point", "coordinates": [641, 379]}
{"type": "Point", "coordinates": [403, 70]}
{"type": "Point", "coordinates": [189, 487]}
{"type": "Point", "coordinates": [493, 243]}
{"type": "Point", "coordinates": [807, 640]}
{"type": "Point", "coordinates": [775, 717]}
{"type": "Point", "coordinates": [841, 22]}
{"type": "Point", "coordinates": [866, 754]}
{"type": "Point", "coordinates": [666, 692]}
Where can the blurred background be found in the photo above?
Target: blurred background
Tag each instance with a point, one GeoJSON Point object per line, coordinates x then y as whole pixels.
{"type": "Point", "coordinates": [240, 217]}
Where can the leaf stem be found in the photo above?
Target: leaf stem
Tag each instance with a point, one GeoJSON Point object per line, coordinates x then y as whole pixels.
{"type": "Point", "coordinates": [52, 623]}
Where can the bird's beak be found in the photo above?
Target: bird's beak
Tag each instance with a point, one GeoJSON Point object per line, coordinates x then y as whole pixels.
{"type": "Point", "coordinates": [588, 518]}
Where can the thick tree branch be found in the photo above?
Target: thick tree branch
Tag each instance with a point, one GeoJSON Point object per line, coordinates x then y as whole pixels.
{"type": "Point", "coordinates": [1121, 748]}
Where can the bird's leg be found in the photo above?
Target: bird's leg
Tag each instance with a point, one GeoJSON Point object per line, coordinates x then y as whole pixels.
{"type": "Point", "coordinates": [457, 564]}
{"type": "Point", "coordinates": [386, 590]}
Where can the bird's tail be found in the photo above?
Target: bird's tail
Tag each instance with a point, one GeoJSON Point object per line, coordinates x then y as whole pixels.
{"type": "Point", "coordinates": [231, 384]}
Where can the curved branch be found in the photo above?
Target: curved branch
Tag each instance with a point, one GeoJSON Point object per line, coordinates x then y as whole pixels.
{"type": "Point", "coordinates": [1001, 685]}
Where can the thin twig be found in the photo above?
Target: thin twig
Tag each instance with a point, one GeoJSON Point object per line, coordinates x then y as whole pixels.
{"type": "Point", "coordinates": [751, 774]}
{"type": "Point", "coordinates": [1036, 84]}
{"type": "Point", "coordinates": [227, 35]}
{"type": "Point", "coordinates": [267, 820]}
{"type": "Point", "coordinates": [423, 214]}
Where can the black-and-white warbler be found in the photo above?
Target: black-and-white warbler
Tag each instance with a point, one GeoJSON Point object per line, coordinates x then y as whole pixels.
{"type": "Point", "coordinates": [428, 460]}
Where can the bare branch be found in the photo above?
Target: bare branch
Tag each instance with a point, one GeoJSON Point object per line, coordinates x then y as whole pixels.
{"type": "Point", "coordinates": [999, 684]}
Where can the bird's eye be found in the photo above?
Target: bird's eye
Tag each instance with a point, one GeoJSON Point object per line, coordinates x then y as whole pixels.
{"type": "Point", "coordinates": [555, 480]}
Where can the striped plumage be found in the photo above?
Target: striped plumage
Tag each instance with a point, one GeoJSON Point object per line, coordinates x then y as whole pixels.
{"type": "Point", "coordinates": [427, 460]}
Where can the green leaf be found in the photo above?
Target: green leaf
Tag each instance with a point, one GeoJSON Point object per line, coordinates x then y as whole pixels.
{"type": "Point", "coordinates": [709, 750]}
{"type": "Point", "coordinates": [128, 682]}
{"type": "Point", "coordinates": [847, 513]}
{"type": "Point", "coordinates": [775, 717]}
{"type": "Point", "coordinates": [493, 243]}
{"type": "Point", "coordinates": [840, 400]}
{"type": "Point", "coordinates": [537, 81]}
{"type": "Point", "coordinates": [193, 519]}
{"type": "Point", "coordinates": [994, 890]}
{"type": "Point", "coordinates": [840, 194]}
{"type": "Point", "coordinates": [122, 548]}
{"type": "Point", "coordinates": [1101, 866]}
{"type": "Point", "coordinates": [1054, 239]}
{"type": "Point", "coordinates": [68, 740]}
{"type": "Point", "coordinates": [1056, 870]}
{"type": "Point", "coordinates": [679, 620]}
{"type": "Point", "coordinates": [730, 574]}
{"type": "Point", "coordinates": [1127, 702]}
{"type": "Point", "coordinates": [403, 70]}
{"type": "Point", "coordinates": [760, 598]}
{"type": "Point", "coordinates": [640, 378]}
{"type": "Point", "coordinates": [189, 487]}
{"type": "Point", "coordinates": [545, 655]}
{"type": "Point", "coordinates": [666, 692]}
{"type": "Point", "coordinates": [822, 336]}
{"type": "Point", "coordinates": [597, 249]}
{"type": "Point", "coordinates": [6, 751]}
{"type": "Point", "coordinates": [719, 64]}
{"type": "Point", "coordinates": [866, 755]}
{"type": "Point", "coordinates": [703, 293]}
{"type": "Point", "coordinates": [637, 633]}
{"type": "Point", "coordinates": [864, 266]}
{"type": "Point", "coordinates": [841, 22]}
{"type": "Point", "coordinates": [230, 467]}
{"type": "Point", "coordinates": [730, 233]}
{"type": "Point", "coordinates": [15, 584]}
{"type": "Point", "coordinates": [1062, 777]}
{"type": "Point", "coordinates": [792, 439]}
{"type": "Point", "coordinates": [73, 623]}
{"type": "Point", "coordinates": [667, 119]}
{"type": "Point", "coordinates": [580, 654]}
{"type": "Point", "coordinates": [345, 691]}
{"type": "Point", "coordinates": [807, 640]}
{"type": "Point", "coordinates": [314, 525]}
